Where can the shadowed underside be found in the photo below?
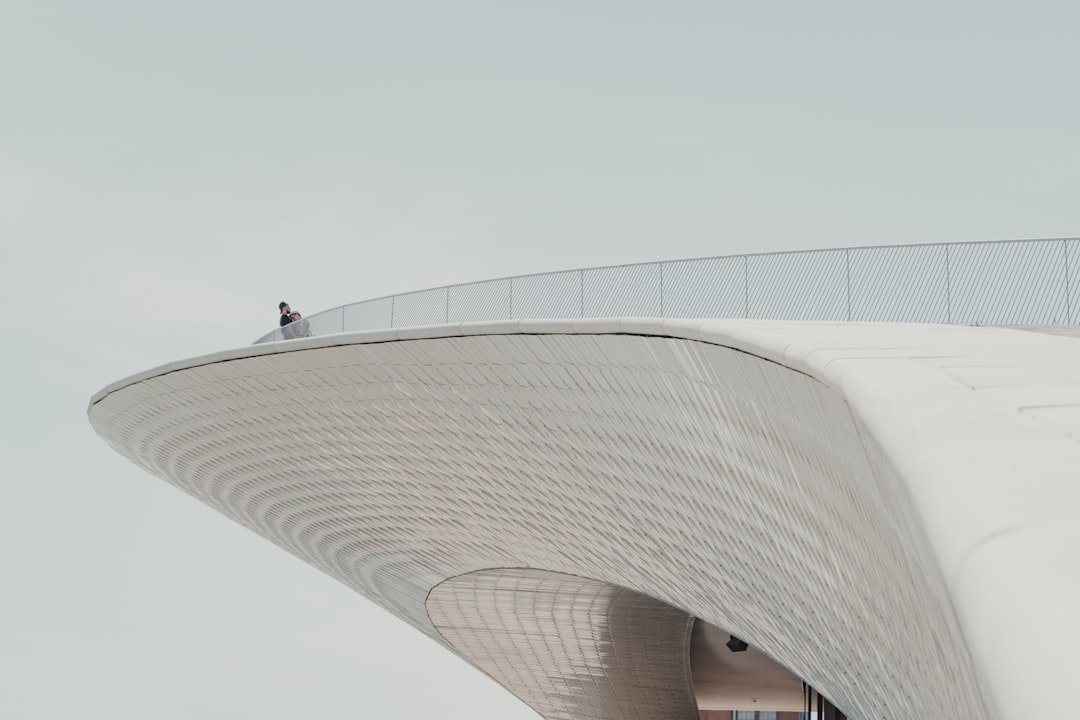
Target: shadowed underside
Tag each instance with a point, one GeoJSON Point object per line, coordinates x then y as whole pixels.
{"type": "Point", "coordinates": [665, 475]}
{"type": "Point", "coordinates": [616, 650]}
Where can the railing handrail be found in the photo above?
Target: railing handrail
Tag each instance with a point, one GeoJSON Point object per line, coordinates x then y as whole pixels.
{"type": "Point", "coordinates": [276, 334]}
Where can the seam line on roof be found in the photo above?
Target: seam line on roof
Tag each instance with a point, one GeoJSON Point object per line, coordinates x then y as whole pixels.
{"type": "Point", "coordinates": [668, 336]}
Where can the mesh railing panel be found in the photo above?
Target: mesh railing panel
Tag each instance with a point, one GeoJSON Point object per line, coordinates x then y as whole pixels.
{"type": "Point", "coordinates": [425, 307]}
{"type": "Point", "coordinates": [798, 286]}
{"type": "Point", "coordinates": [712, 287]}
{"type": "Point", "coordinates": [1012, 282]}
{"type": "Point", "coordinates": [552, 295]}
{"type": "Point", "coordinates": [899, 284]}
{"type": "Point", "coordinates": [1072, 287]}
{"type": "Point", "coordinates": [490, 300]}
{"type": "Point", "coordinates": [629, 291]}
{"type": "Point", "coordinates": [369, 315]}
{"type": "Point", "coordinates": [1008, 284]}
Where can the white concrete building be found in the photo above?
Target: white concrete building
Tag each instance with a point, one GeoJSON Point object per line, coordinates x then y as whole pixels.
{"type": "Point", "coordinates": [588, 510]}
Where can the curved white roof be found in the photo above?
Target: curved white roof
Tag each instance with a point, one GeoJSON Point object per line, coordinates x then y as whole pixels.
{"type": "Point", "coordinates": [889, 511]}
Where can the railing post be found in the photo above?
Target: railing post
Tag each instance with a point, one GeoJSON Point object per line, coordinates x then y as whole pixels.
{"type": "Point", "coordinates": [511, 299]}
{"type": "Point", "coordinates": [447, 321]}
{"type": "Point", "coordinates": [392, 311]}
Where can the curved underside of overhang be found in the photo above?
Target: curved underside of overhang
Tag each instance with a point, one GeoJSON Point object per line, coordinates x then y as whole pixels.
{"type": "Point", "coordinates": [711, 474]}
{"type": "Point", "coordinates": [570, 647]}
{"type": "Point", "coordinates": [574, 648]}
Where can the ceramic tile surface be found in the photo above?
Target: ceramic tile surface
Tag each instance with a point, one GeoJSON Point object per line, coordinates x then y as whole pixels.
{"type": "Point", "coordinates": [734, 480]}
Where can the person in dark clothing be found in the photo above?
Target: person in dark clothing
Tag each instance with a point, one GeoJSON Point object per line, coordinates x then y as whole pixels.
{"type": "Point", "coordinates": [298, 327]}
{"type": "Point", "coordinates": [286, 313]}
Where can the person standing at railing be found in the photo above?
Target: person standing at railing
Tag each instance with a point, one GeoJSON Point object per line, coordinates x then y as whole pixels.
{"type": "Point", "coordinates": [288, 317]}
{"type": "Point", "coordinates": [286, 313]}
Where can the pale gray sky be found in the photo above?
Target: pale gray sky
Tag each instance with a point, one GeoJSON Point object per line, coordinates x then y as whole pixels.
{"type": "Point", "coordinates": [170, 171]}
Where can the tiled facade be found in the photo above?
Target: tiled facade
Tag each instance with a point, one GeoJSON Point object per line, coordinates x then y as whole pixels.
{"type": "Point", "coordinates": [712, 471]}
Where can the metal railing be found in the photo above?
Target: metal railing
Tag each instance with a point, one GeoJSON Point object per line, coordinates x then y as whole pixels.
{"type": "Point", "coordinates": [1008, 282]}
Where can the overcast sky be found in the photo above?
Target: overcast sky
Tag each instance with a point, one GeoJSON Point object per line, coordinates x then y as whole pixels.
{"type": "Point", "coordinates": [170, 171]}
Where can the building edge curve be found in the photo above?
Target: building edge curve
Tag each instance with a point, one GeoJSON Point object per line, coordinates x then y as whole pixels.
{"type": "Point", "coordinates": [944, 441]}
